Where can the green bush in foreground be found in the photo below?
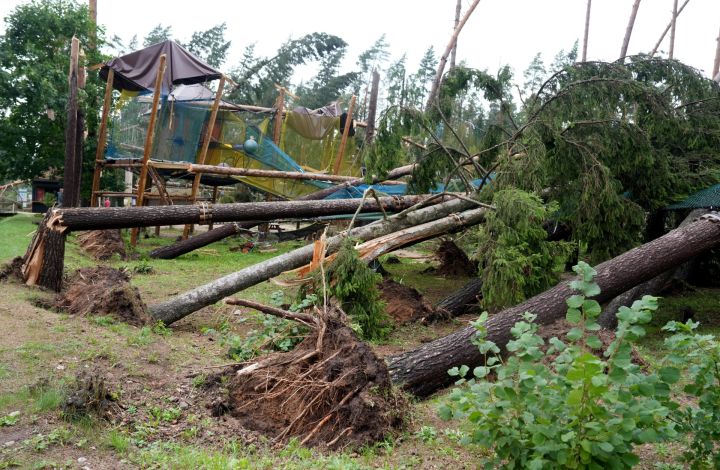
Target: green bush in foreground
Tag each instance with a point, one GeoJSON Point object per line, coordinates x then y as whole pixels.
{"type": "Point", "coordinates": [575, 410]}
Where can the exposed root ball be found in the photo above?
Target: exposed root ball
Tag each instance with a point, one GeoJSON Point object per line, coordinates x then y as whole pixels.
{"type": "Point", "coordinates": [404, 304]}
{"type": "Point", "coordinates": [453, 261]}
{"type": "Point", "coordinates": [332, 390]}
{"type": "Point", "coordinates": [102, 244]}
{"type": "Point", "coordinates": [103, 291]}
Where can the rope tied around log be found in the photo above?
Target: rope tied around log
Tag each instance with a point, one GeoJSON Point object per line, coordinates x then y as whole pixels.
{"type": "Point", "coordinates": [205, 213]}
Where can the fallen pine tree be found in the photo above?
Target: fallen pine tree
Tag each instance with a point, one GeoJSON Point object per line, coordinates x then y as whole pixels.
{"type": "Point", "coordinates": [201, 240]}
{"type": "Point", "coordinates": [422, 371]}
{"type": "Point", "coordinates": [202, 296]}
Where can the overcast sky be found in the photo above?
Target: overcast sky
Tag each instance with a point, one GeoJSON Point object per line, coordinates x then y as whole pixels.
{"type": "Point", "coordinates": [499, 31]}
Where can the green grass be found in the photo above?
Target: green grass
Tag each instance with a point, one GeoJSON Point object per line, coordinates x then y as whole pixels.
{"type": "Point", "coordinates": [16, 235]}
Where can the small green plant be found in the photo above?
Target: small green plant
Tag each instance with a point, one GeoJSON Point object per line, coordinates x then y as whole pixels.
{"type": "Point", "coordinates": [580, 410]}
{"type": "Point", "coordinates": [10, 419]}
{"type": "Point", "coordinates": [165, 414]}
{"type": "Point", "coordinates": [199, 380]}
{"type": "Point", "coordinates": [700, 355]}
{"type": "Point", "coordinates": [427, 433]}
{"type": "Point", "coordinates": [142, 338]}
{"type": "Point", "coordinates": [118, 441]}
{"type": "Point", "coordinates": [354, 284]}
{"type": "Point", "coordinates": [143, 267]}
{"type": "Point", "coordinates": [159, 328]}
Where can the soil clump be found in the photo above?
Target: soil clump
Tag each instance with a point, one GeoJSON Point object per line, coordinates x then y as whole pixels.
{"type": "Point", "coordinates": [404, 304]}
{"type": "Point", "coordinates": [102, 244]}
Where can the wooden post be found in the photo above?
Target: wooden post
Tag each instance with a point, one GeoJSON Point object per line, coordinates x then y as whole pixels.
{"type": "Point", "coordinates": [587, 31]}
{"type": "Point", "coordinates": [279, 109]}
{"type": "Point", "coordinates": [206, 144]}
{"type": "Point", "coordinates": [671, 53]}
{"type": "Point", "coordinates": [343, 140]}
{"type": "Point", "coordinates": [716, 66]}
{"type": "Point", "coordinates": [102, 139]}
{"type": "Point", "coordinates": [453, 54]}
{"type": "Point", "coordinates": [73, 155]}
{"type": "Point", "coordinates": [92, 10]}
{"type": "Point", "coordinates": [372, 109]}
{"type": "Point", "coordinates": [149, 140]}
{"type": "Point", "coordinates": [628, 31]}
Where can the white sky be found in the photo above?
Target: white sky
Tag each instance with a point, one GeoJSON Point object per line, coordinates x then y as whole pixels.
{"type": "Point", "coordinates": [499, 31]}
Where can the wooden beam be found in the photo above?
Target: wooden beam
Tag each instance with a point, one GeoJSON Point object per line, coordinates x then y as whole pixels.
{"type": "Point", "coordinates": [102, 137]}
{"type": "Point", "coordinates": [149, 137]}
{"type": "Point", "coordinates": [280, 107]}
{"type": "Point", "coordinates": [343, 140]}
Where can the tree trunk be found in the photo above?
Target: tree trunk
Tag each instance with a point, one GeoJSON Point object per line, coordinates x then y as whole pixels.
{"type": "Point", "coordinates": [667, 28]}
{"type": "Point", "coordinates": [291, 175]}
{"type": "Point", "coordinates": [424, 370]}
{"type": "Point", "coordinates": [628, 31]}
{"type": "Point", "coordinates": [198, 241]}
{"type": "Point", "coordinates": [43, 260]}
{"type": "Point", "coordinates": [372, 108]}
{"type": "Point", "coordinates": [100, 218]}
{"type": "Point", "coordinates": [323, 193]}
{"type": "Point", "coordinates": [671, 53]}
{"type": "Point", "coordinates": [654, 286]}
{"type": "Point", "coordinates": [453, 54]}
{"type": "Point", "coordinates": [73, 135]}
{"type": "Point", "coordinates": [587, 31]}
{"type": "Point", "coordinates": [460, 301]}
{"type": "Point", "coordinates": [444, 57]}
{"type": "Point", "coordinates": [191, 301]}
{"type": "Point", "coordinates": [716, 65]}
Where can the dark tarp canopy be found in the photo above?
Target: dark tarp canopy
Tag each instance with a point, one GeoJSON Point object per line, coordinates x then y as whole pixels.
{"type": "Point", "coordinates": [137, 71]}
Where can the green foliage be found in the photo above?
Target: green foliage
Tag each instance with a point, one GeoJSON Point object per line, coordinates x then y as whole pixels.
{"type": "Point", "coordinates": [701, 418]}
{"type": "Point", "coordinates": [210, 45]}
{"type": "Point", "coordinates": [354, 284]}
{"type": "Point", "coordinates": [158, 34]}
{"type": "Point", "coordinates": [575, 410]}
{"type": "Point", "coordinates": [277, 334]}
{"type": "Point", "coordinates": [10, 419]}
{"type": "Point", "coordinates": [517, 260]}
{"type": "Point", "coordinates": [34, 55]}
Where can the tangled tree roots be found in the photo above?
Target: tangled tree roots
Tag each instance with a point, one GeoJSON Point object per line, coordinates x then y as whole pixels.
{"type": "Point", "coordinates": [102, 244]}
{"type": "Point", "coordinates": [331, 390]}
{"type": "Point", "coordinates": [12, 270]}
{"type": "Point", "coordinates": [103, 291]}
{"type": "Point", "coordinates": [453, 261]}
{"type": "Point", "coordinates": [89, 395]}
{"type": "Point", "coordinates": [403, 303]}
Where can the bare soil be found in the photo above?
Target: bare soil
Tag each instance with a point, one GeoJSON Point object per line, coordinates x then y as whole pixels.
{"type": "Point", "coordinates": [403, 303]}
{"type": "Point", "coordinates": [453, 261]}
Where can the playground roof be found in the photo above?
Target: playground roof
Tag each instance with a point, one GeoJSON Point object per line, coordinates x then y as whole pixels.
{"type": "Point", "coordinates": [137, 71]}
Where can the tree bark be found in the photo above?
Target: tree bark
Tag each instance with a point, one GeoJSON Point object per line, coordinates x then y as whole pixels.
{"type": "Point", "coordinates": [716, 65]}
{"type": "Point", "coordinates": [198, 241]}
{"type": "Point", "coordinates": [43, 260]}
{"type": "Point", "coordinates": [100, 218]}
{"type": "Point", "coordinates": [667, 28]}
{"type": "Point", "coordinates": [73, 134]}
{"type": "Point", "coordinates": [453, 54]}
{"type": "Point", "coordinates": [444, 57]}
{"type": "Point", "coordinates": [671, 53]}
{"type": "Point", "coordinates": [372, 108]}
{"type": "Point", "coordinates": [323, 193]}
{"type": "Point", "coordinates": [587, 31]}
{"type": "Point", "coordinates": [191, 301]}
{"type": "Point", "coordinates": [292, 175]}
{"type": "Point", "coordinates": [460, 301]}
{"type": "Point", "coordinates": [628, 31]}
{"type": "Point", "coordinates": [424, 370]}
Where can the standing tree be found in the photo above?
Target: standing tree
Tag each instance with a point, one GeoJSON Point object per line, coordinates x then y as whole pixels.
{"type": "Point", "coordinates": [34, 54]}
{"type": "Point", "coordinates": [210, 45]}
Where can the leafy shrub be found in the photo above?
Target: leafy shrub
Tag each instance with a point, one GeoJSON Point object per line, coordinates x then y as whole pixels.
{"type": "Point", "coordinates": [579, 411]}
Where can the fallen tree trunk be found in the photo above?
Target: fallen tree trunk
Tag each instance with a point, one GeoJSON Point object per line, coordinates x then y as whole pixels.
{"type": "Point", "coordinates": [99, 218]}
{"type": "Point", "coordinates": [654, 286]}
{"type": "Point", "coordinates": [203, 239]}
{"type": "Point", "coordinates": [191, 301]}
{"type": "Point", "coordinates": [292, 175]}
{"type": "Point", "coordinates": [424, 370]}
{"type": "Point", "coordinates": [459, 301]}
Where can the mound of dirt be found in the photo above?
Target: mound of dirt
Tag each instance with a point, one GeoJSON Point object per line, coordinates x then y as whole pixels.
{"type": "Point", "coordinates": [103, 291]}
{"type": "Point", "coordinates": [404, 304]}
{"type": "Point", "coordinates": [560, 328]}
{"type": "Point", "coordinates": [102, 244]}
{"type": "Point", "coordinates": [12, 270]}
{"type": "Point", "coordinates": [89, 395]}
{"type": "Point", "coordinates": [330, 391]}
{"type": "Point", "coordinates": [453, 261]}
